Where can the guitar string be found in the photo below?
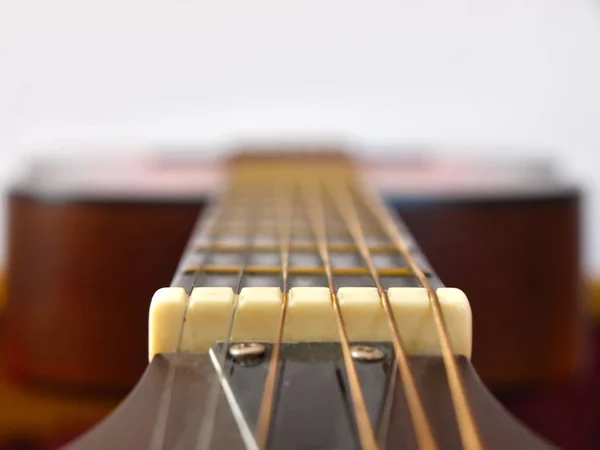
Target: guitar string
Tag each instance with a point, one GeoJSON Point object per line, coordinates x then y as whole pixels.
{"type": "Point", "coordinates": [347, 209]}
{"type": "Point", "coordinates": [469, 432]}
{"type": "Point", "coordinates": [284, 208]}
{"type": "Point", "coordinates": [216, 214]}
{"type": "Point", "coordinates": [207, 427]}
{"type": "Point", "coordinates": [394, 374]}
{"type": "Point", "coordinates": [315, 212]}
{"type": "Point", "coordinates": [357, 270]}
{"type": "Point", "coordinates": [386, 413]}
{"type": "Point", "coordinates": [397, 239]}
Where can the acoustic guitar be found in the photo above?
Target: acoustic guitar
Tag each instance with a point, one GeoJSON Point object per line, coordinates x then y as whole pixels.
{"type": "Point", "coordinates": [303, 313]}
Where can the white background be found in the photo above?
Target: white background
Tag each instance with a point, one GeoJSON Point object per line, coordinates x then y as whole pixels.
{"type": "Point", "coordinates": [519, 77]}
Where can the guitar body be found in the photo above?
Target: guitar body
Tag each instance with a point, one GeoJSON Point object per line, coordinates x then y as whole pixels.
{"type": "Point", "coordinates": [89, 245]}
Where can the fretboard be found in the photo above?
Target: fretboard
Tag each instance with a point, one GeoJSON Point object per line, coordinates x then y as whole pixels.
{"type": "Point", "coordinates": [239, 241]}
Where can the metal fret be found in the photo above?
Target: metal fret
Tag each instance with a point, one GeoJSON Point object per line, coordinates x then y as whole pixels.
{"type": "Point", "coordinates": [274, 270]}
{"type": "Point", "coordinates": [294, 248]}
{"type": "Point", "coordinates": [300, 229]}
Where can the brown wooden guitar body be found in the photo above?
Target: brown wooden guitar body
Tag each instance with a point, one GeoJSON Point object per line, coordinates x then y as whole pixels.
{"type": "Point", "coordinates": [83, 266]}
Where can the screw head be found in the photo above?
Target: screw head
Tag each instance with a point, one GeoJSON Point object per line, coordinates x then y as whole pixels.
{"type": "Point", "coordinates": [246, 350]}
{"type": "Point", "coordinates": [366, 353]}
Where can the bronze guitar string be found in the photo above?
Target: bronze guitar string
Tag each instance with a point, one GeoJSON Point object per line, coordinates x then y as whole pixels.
{"type": "Point", "coordinates": [315, 212]}
{"type": "Point", "coordinates": [347, 209]}
{"type": "Point", "coordinates": [249, 185]}
{"type": "Point", "coordinates": [284, 207]}
{"type": "Point", "coordinates": [263, 428]}
{"type": "Point", "coordinates": [466, 421]}
{"type": "Point", "coordinates": [421, 424]}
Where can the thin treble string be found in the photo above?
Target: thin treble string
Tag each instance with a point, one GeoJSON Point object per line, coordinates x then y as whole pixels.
{"type": "Point", "coordinates": [345, 204]}
{"type": "Point", "coordinates": [386, 414]}
{"type": "Point", "coordinates": [160, 426]}
{"type": "Point", "coordinates": [315, 212]}
{"type": "Point", "coordinates": [284, 206]}
{"type": "Point", "coordinates": [466, 420]}
{"type": "Point", "coordinates": [207, 427]}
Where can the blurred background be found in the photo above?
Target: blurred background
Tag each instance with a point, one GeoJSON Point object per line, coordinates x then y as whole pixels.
{"type": "Point", "coordinates": [486, 79]}
{"type": "Point", "coordinates": [510, 77]}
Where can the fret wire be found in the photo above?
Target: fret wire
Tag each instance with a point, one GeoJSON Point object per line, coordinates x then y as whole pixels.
{"type": "Point", "coordinates": [347, 209]}
{"type": "Point", "coordinates": [301, 230]}
{"type": "Point", "coordinates": [160, 427]}
{"type": "Point", "coordinates": [297, 247]}
{"type": "Point", "coordinates": [318, 224]}
{"type": "Point", "coordinates": [285, 231]}
{"type": "Point", "coordinates": [208, 423]}
{"type": "Point", "coordinates": [466, 420]}
{"type": "Point", "coordinates": [274, 270]}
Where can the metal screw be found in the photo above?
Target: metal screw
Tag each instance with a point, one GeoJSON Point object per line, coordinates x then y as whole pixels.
{"type": "Point", "coordinates": [366, 353]}
{"type": "Point", "coordinates": [246, 350]}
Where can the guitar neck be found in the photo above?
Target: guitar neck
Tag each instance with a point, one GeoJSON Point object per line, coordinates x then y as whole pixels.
{"type": "Point", "coordinates": [312, 223]}
{"type": "Point", "coordinates": [304, 315]}
{"type": "Point", "coordinates": [239, 242]}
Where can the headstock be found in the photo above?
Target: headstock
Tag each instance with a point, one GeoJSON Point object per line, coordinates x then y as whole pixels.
{"type": "Point", "coordinates": [418, 390]}
{"type": "Point", "coordinates": [314, 409]}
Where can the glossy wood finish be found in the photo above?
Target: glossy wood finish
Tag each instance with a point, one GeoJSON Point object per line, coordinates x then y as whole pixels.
{"type": "Point", "coordinates": [80, 280]}
{"type": "Point", "coordinates": [519, 263]}
{"type": "Point", "coordinates": [82, 275]}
